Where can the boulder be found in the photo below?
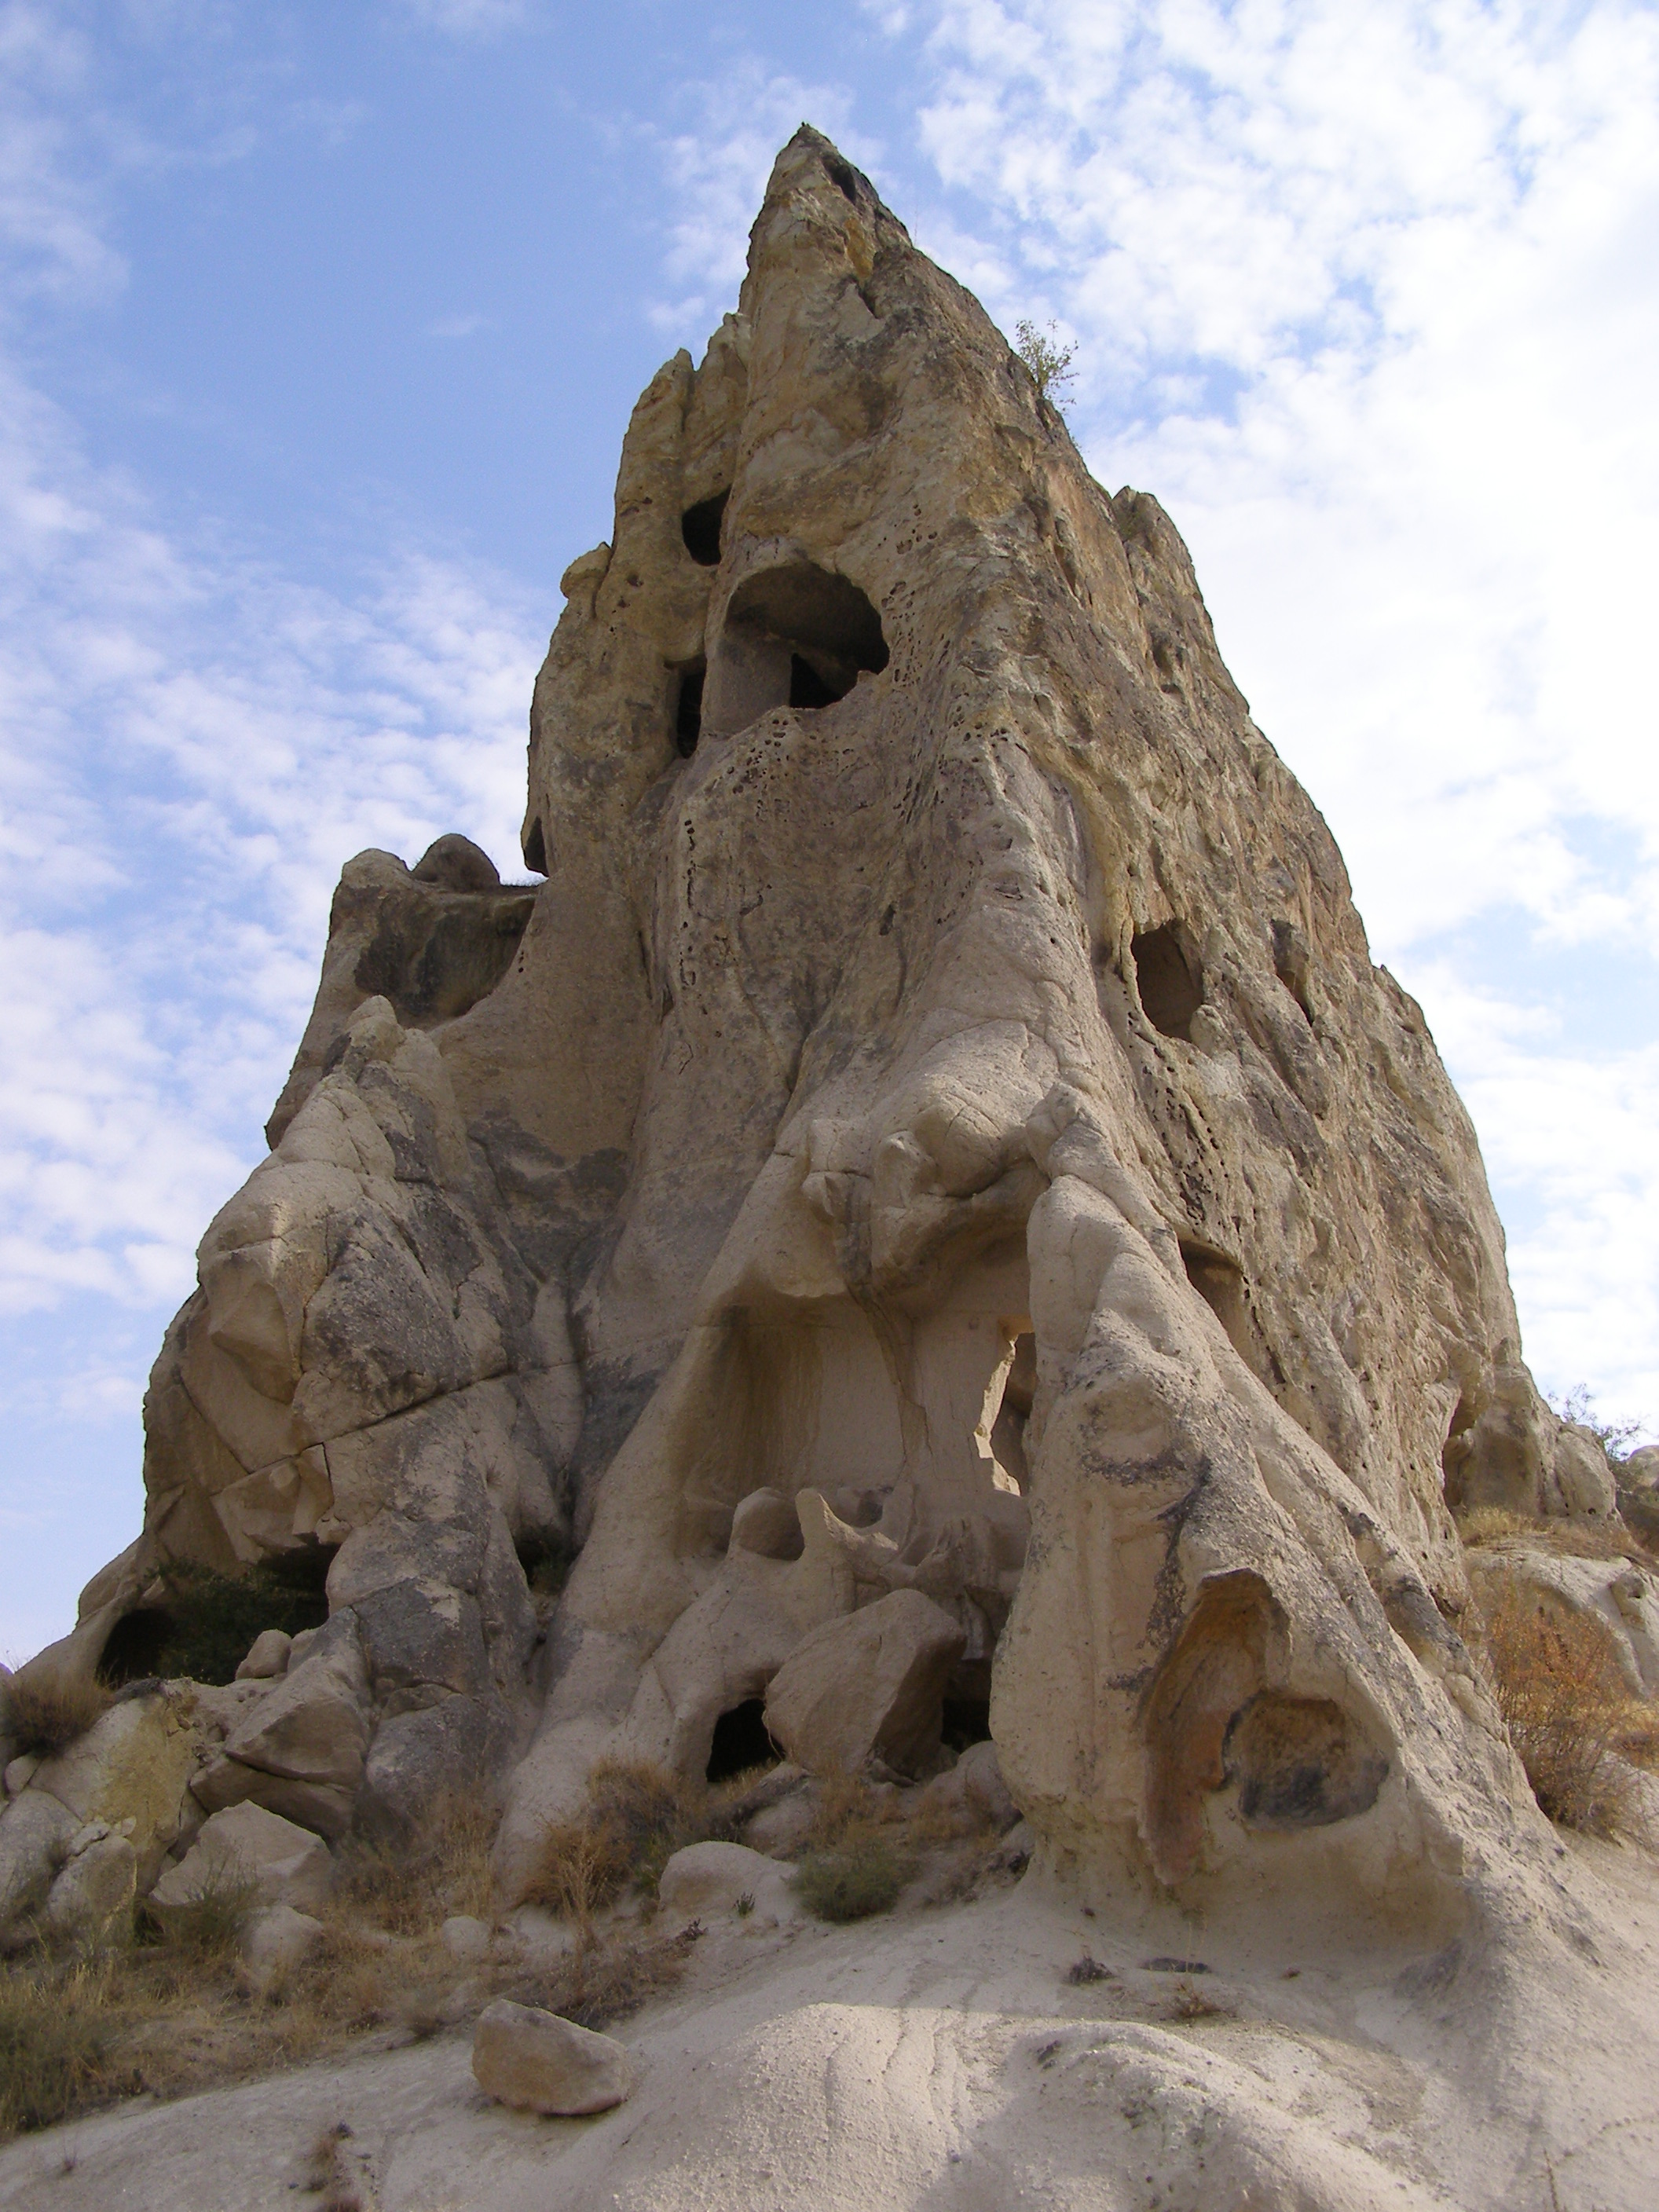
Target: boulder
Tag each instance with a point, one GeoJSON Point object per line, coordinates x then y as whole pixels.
{"type": "Point", "coordinates": [538, 2062]}
{"type": "Point", "coordinates": [19, 1773]}
{"type": "Point", "coordinates": [246, 1847]}
{"type": "Point", "coordinates": [973, 1793]}
{"type": "Point", "coordinates": [712, 1880]}
{"type": "Point", "coordinates": [868, 1687]}
{"type": "Point", "coordinates": [267, 1656]}
{"type": "Point", "coordinates": [96, 1888]}
{"type": "Point", "coordinates": [132, 1766]}
{"type": "Point", "coordinates": [276, 1940]}
{"type": "Point", "coordinates": [313, 1726]}
{"type": "Point", "coordinates": [35, 1833]}
{"type": "Point", "coordinates": [465, 1938]}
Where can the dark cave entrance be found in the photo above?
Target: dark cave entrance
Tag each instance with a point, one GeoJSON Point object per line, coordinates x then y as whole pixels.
{"type": "Point", "coordinates": [700, 526]}
{"type": "Point", "coordinates": [688, 710]}
{"type": "Point", "coordinates": [740, 1742]}
{"type": "Point", "coordinates": [1170, 983]}
{"type": "Point", "coordinates": [796, 635]}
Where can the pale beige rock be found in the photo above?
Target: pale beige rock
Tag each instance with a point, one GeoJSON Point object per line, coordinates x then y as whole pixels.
{"type": "Point", "coordinates": [132, 1766]}
{"type": "Point", "coordinates": [267, 1656]}
{"type": "Point", "coordinates": [35, 1831]}
{"type": "Point", "coordinates": [313, 1726]}
{"type": "Point", "coordinates": [465, 1938]}
{"type": "Point", "coordinates": [95, 1888]}
{"type": "Point", "coordinates": [943, 1085]}
{"type": "Point", "coordinates": [871, 1685]}
{"type": "Point", "coordinates": [973, 1793]}
{"type": "Point", "coordinates": [246, 1847]}
{"type": "Point", "coordinates": [277, 1939]}
{"type": "Point", "coordinates": [539, 2063]}
{"type": "Point", "coordinates": [705, 1880]}
{"type": "Point", "coordinates": [19, 1773]}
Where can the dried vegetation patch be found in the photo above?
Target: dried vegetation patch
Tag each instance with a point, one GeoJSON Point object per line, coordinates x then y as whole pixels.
{"type": "Point", "coordinates": [637, 1816]}
{"type": "Point", "coordinates": [1572, 1540]}
{"type": "Point", "coordinates": [39, 1714]}
{"type": "Point", "coordinates": [169, 2007]}
{"type": "Point", "coordinates": [1572, 1722]}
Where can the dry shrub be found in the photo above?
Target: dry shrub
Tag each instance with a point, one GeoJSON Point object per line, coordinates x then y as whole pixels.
{"type": "Point", "coordinates": [59, 2043]}
{"type": "Point", "coordinates": [329, 2171]}
{"type": "Point", "coordinates": [863, 1875]}
{"type": "Point", "coordinates": [599, 1984]}
{"type": "Point", "coordinates": [1636, 1735]}
{"type": "Point", "coordinates": [42, 1713]}
{"type": "Point", "coordinates": [638, 1815]}
{"type": "Point", "coordinates": [1572, 1539]}
{"type": "Point", "coordinates": [857, 1859]}
{"type": "Point", "coordinates": [1561, 1693]}
{"type": "Point", "coordinates": [413, 1882]}
{"type": "Point", "coordinates": [206, 1930]}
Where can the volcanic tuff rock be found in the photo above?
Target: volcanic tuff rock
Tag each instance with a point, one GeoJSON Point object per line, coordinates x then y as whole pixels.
{"type": "Point", "coordinates": [938, 1128]}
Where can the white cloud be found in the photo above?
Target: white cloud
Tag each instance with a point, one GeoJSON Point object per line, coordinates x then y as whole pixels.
{"type": "Point", "coordinates": [717, 173]}
{"type": "Point", "coordinates": [190, 750]}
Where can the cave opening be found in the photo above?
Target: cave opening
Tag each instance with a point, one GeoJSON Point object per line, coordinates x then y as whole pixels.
{"type": "Point", "coordinates": [966, 1721]}
{"type": "Point", "coordinates": [700, 526]}
{"type": "Point", "coordinates": [688, 710]}
{"type": "Point", "coordinates": [133, 1649]}
{"type": "Point", "coordinates": [795, 635]}
{"type": "Point", "coordinates": [1169, 982]}
{"type": "Point", "coordinates": [740, 1742]}
{"type": "Point", "coordinates": [533, 846]}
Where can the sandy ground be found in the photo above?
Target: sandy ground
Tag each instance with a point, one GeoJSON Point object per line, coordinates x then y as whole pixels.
{"type": "Point", "coordinates": [940, 2058]}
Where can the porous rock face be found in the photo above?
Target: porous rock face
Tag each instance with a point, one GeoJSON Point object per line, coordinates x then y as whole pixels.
{"type": "Point", "coordinates": [937, 1127]}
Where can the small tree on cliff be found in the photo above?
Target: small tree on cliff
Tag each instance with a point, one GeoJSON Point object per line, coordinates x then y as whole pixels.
{"type": "Point", "coordinates": [1049, 363]}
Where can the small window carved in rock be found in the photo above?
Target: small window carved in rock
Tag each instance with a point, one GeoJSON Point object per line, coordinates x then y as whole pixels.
{"type": "Point", "coordinates": [700, 526]}
{"type": "Point", "coordinates": [1170, 984]}
{"type": "Point", "coordinates": [843, 176]}
{"type": "Point", "coordinates": [795, 635]}
{"type": "Point", "coordinates": [688, 710]}
{"type": "Point", "coordinates": [1221, 1286]}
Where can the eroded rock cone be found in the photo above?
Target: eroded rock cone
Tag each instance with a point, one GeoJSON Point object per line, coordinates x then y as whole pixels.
{"type": "Point", "coordinates": [942, 1084]}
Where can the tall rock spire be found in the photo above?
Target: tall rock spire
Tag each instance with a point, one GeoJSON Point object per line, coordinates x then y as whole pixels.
{"type": "Point", "coordinates": [937, 1129]}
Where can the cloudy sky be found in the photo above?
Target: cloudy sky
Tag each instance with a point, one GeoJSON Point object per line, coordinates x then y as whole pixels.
{"type": "Point", "coordinates": [319, 329]}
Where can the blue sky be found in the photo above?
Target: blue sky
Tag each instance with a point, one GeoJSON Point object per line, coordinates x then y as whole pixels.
{"type": "Point", "coordinates": [318, 331]}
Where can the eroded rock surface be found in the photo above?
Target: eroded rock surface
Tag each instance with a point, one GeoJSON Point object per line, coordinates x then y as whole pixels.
{"type": "Point", "coordinates": [936, 1139]}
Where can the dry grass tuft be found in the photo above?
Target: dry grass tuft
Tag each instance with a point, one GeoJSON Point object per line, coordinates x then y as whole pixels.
{"type": "Point", "coordinates": [1561, 1693]}
{"type": "Point", "coordinates": [42, 1714]}
{"type": "Point", "coordinates": [60, 2029]}
{"type": "Point", "coordinates": [638, 1815]}
{"type": "Point", "coordinates": [328, 2174]}
{"type": "Point", "coordinates": [1188, 2001]}
{"type": "Point", "coordinates": [1572, 1540]}
{"type": "Point", "coordinates": [416, 1882]}
{"type": "Point", "coordinates": [207, 1930]}
{"type": "Point", "coordinates": [857, 1862]}
{"type": "Point", "coordinates": [599, 1984]}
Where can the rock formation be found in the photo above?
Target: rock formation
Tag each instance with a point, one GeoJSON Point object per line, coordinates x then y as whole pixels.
{"type": "Point", "coordinates": [935, 1146]}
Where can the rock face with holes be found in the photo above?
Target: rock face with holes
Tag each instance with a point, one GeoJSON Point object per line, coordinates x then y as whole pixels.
{"type": "Point", "coordinates": [936, 1139]}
